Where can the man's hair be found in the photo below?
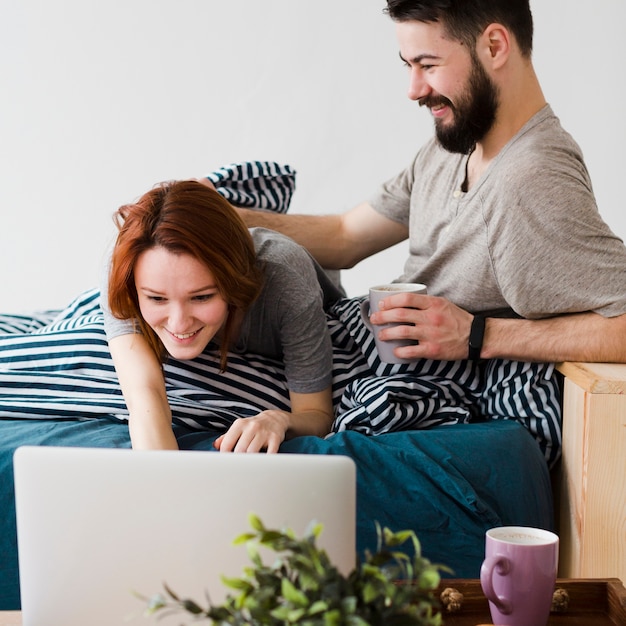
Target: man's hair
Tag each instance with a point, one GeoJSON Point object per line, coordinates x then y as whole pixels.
{"type": "Point", "coordinates": [466, 20]}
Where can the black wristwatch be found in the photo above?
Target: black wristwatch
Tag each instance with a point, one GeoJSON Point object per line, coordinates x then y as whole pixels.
{"type": "Point", "coordinates": [477, 334]}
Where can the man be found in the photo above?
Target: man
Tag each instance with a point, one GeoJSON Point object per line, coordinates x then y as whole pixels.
{"type": "Point", "coordinates": [498, 207]}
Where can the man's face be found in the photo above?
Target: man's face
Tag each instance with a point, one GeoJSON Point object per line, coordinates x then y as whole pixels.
{"type": "Point", "coordinates": [451, 82]}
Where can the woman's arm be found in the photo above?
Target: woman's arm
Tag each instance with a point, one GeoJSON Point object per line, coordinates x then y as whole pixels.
{"type": "Point", "coordinates": [311, 414]}
{"type": "Point", "coordinates": [143, 386]}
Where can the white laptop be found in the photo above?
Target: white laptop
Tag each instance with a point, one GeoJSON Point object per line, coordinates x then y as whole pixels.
{"type": "Point", "coordinates": [97, 525]}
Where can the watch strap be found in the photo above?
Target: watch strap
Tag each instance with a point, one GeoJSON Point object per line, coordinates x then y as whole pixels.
{"type": "Point", "coordinates": [477, 334]}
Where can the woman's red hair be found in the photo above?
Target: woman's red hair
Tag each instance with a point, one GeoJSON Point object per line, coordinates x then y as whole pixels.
{"type": "Point", "coordinates": [184, 217]}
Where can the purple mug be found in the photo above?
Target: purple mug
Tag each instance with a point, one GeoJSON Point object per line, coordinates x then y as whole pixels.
{"type": "Point", "coordinates": [519, 573]}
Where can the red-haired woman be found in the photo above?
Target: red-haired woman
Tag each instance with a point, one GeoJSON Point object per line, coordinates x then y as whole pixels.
{"type": "Point", "coordinates": [186, 276]}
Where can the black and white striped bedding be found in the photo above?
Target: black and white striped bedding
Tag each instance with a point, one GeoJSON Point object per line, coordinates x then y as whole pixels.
{"type": "Point", "coordinates": [57, 365]}
{"type": "Point", "coordinates": [256, 184]}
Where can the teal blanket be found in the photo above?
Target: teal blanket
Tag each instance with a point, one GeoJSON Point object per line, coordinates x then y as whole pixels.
{"type": "Point", "coordinates": [448, 483]}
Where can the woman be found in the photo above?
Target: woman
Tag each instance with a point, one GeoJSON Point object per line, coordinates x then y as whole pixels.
{"type": "Point", "coordinates": [186, 276]}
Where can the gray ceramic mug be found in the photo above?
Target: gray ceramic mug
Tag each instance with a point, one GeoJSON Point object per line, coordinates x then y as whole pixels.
{"type": "Point", "coordinates": [519, 573]}
{"type": "Point", "coordinates": [376, 294]}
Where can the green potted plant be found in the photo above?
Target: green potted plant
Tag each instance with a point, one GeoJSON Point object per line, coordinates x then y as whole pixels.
{"type": "Point", "coordinates": [303, 587]}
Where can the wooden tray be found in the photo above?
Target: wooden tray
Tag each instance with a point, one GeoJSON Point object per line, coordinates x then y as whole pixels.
{"type": "Point", "coordinates": [592, 602]}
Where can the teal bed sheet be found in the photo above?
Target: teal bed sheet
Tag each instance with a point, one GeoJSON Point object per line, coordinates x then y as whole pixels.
{"type": "Point", "coordinates": [449, 483]}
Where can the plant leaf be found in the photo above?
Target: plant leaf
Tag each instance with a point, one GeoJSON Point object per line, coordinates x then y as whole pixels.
{"type": "Point", "coordinates": [320, 606]}
{"type": "Point", "coordinates": [237, 583]}
{"type": "Point", "coordinates": [191, 607]}
{"type": "Point", "coordinates": [255, 522]}
{"type": "Point", "coordinates": [293, 595]}
{"type": "Point", "coordinates": [156, 603]}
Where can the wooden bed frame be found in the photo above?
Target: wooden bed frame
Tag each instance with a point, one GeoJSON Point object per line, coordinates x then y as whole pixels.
{"type": "Point", "coordinates": [590, 485]}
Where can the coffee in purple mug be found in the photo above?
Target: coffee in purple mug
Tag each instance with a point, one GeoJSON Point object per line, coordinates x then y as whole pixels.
{"type": "Point", "coordinates": [519, 573]}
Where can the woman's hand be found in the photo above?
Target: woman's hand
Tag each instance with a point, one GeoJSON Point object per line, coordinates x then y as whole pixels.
{"type": "Point", "coordinates": [263, 432]}
{"type": "Point", "coordinates": [312, 414]}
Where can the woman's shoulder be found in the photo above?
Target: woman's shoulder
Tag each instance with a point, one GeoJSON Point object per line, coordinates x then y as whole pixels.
{"type": "Point", "coordinates": [289, 270]}
{"type": "Point", "coordinates": [274, 247]}
{"type": "Point", "coordinates": [265, 237]}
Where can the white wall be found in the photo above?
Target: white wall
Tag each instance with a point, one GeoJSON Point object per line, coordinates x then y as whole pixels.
{"type": "Point", "coordinates": [99, 100]}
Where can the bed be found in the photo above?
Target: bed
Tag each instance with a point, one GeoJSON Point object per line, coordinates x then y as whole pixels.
{"type": "Point", "coordinates": [447, 449]}
{"type": "Point", "coordinates": [425, 459]}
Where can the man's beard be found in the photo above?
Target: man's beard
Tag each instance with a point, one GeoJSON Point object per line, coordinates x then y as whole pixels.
{"type": "Point", "coordinates": [474, 113]}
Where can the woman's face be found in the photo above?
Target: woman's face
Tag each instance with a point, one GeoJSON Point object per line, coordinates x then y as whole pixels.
{"type": "Point", "coordinates": [179, 300]}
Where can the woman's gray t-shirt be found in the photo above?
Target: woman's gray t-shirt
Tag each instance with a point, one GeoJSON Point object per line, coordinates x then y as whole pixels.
{"type": "Point", "coordinates": [287, 322]}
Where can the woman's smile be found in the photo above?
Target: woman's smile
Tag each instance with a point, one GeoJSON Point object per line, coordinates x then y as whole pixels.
{"type": "Point", "coordinates": [183, 336]}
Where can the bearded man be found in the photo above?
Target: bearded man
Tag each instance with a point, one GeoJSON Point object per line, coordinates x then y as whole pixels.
{"type": "Point", "coordinates": [498, 207]}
